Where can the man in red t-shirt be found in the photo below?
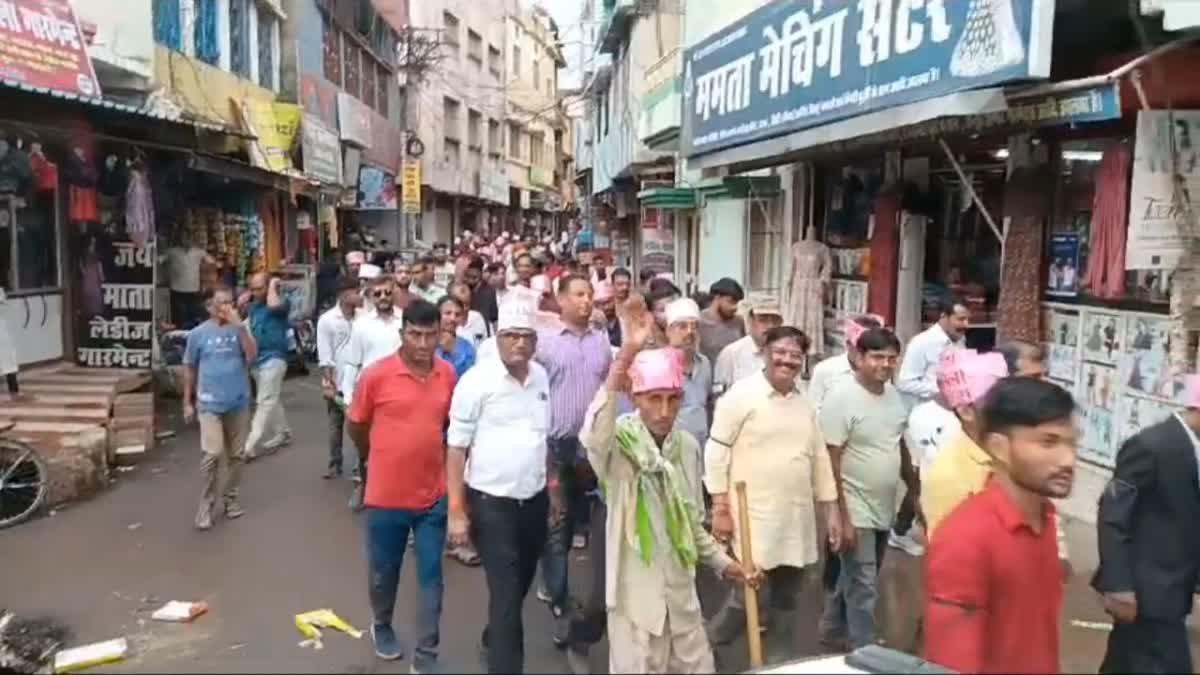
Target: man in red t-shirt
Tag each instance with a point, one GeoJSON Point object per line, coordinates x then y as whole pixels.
{"type": "Point", "coordinates": [397, 415]}
{"type": "Point", "coordinates": [993, 583]}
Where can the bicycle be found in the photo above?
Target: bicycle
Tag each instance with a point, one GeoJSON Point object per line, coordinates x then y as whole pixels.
{"type": "Point", "coordinates": [24, 479]}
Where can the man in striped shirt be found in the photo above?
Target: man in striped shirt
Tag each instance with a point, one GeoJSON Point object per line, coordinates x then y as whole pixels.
{"type": "Point", "coordinates": [576, 357]}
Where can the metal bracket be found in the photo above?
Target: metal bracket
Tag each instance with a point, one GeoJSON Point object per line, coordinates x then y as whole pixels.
{"type": "Point", "coordinates": [962, 176]}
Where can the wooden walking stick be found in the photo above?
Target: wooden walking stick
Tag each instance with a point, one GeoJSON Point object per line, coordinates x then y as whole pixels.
{"type": "Point", "coordinates": [753, 636]}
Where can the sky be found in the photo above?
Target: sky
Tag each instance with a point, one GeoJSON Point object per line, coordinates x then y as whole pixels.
{"type": "Point", "coordinates": [566, 14]}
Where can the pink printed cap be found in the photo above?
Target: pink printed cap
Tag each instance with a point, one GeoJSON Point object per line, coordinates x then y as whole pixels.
{"type": "Point", "coordinates": [604, 292]}
{"type": "Point", "coordinates": [965, 376]}
{"type": "Point", "coordinates": [1192, 391]}
{"type": "Point", "coordinates": [654, 369]}
{"type": "Point", "coordinates": [854, 331]}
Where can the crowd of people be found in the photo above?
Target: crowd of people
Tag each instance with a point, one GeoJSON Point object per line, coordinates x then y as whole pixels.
{"type": "Point", "coordinates": [509, 403]}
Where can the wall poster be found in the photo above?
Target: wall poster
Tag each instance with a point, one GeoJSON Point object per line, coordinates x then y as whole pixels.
{"type": "Point", "coordinates": [1061, 338]}
{"type": "Point", "coordinates": [1102, 338]}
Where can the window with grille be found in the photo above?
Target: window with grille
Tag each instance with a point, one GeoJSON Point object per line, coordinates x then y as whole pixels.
{"type": "Point", "coordinates": [351, 68]}
{"type": "Point", "coordinates": [475, 47]}
{"type": "Point", "coordinates": [495, 139]}
{"type": "Point", "coordinates": [382, 77]}
{"type": "Point", "coordinates": [494, 61]}
{"type": "Point", "coordinates": [450, 152]}
{"type": "Point", "coordinates": [514, 141]}
{"type": "Point", "coordinates": [239, 37]}
{"type": "Point", "coordinates": [766, 243]}
{"type": "Point", "coordinates": [474, 130]}
{"type": "Point", "coordinates": [331, 51]}
{"type": "Point", "coordinates": [168, 26]}
{"type": "Point", "coordinates": [208, 44]}
{"type": "Point", "coordinates": [369, 84]}
{"type": "Point", "coordinates": [450, 31]}
{"type": "Point", "coordinates": [537, 148]}
{"type": "Point", "coordinates": [268, 24]}
{"type": "Point", "coordinates": [451, 118]}
{"type": "Point", "coordinates": [516, 68]}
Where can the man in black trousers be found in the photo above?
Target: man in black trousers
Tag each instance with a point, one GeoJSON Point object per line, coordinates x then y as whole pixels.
{"type": "Point", "coordinates": [499, 418]}
{"type": "Point", "coordinates": [1149, 549]}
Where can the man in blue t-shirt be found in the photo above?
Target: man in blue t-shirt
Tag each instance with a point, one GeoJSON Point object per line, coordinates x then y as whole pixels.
{"type": "Point", "coordinates": [216, 387]}
{"type": "Point", "coordinates": [266, 311]}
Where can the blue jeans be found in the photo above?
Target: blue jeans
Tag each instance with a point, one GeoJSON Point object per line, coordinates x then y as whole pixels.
{"type": "Point", "coordinates": [562, 462]}
{"type": "Point", "coordinates": [850, 604]}
{"type": "Point", "coordinates": [387, 540]}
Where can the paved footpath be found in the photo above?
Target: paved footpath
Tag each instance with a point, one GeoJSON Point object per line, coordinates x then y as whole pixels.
{"type": "Point", "coordinates": [103, 565]}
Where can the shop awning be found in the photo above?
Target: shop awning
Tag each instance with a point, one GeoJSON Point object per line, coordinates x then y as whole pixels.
{"type": "Point", "coordinates": [740, 187]}
{"type": "Point", "coordinates": [977, 102]}
{"type": "Point", "coordinates": [668, 198]}
{"type": "Point", "coordinates": [240, 171]}
{"type": "Point", "coordinates": [101, 104]}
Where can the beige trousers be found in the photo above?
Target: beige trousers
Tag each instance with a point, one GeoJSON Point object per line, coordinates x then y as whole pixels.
{"type": "Point", "coordinates": [632, 650]}
{"type": "Point", "coordinates": [221, 439]}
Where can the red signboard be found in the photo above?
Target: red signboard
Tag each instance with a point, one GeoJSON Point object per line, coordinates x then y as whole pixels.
{"type": "Point", "coordinates": [41, 46]}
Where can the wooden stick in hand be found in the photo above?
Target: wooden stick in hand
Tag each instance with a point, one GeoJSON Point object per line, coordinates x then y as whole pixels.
{"type": "Point", "coordinates": [753, 636]}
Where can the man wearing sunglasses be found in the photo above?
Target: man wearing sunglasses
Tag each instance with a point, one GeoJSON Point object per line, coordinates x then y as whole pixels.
{"type": "Point", "coordinates": [373, 337]}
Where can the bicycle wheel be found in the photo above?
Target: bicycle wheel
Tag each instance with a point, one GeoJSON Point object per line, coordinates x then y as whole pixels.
{"type": "Point", "coordinates": [24, 482]}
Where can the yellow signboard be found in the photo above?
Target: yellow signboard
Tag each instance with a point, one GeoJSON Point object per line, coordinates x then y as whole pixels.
{"type": "Point", "coordinates": [411, 186]}
{"type": "Point", "coordinates": [277, 126]}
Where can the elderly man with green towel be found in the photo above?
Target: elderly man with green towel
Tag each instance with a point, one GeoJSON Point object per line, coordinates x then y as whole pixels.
{"type": "Point", "coordinates": [654, 531]}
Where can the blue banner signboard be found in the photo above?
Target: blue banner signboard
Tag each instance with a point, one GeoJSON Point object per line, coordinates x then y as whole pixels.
{"type": "Point", "coordinates": [795, 64]}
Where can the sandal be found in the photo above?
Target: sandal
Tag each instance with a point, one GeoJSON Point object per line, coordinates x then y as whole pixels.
{"type": "Point", "coordinates": [465, 555]}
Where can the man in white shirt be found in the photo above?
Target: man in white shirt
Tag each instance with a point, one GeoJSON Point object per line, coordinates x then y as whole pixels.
{"type": "Point", "coordinates": [183, 276]}
{"type": "Point", "coordinates": [496, 473]}
{"type": "Point", "coordinates": [443, 267]}
{"type": "Point", "coordinates": [745, 356]}
{"type": "Point", "coordinates": [373, 337]}
{"type": "Point", "coordinates": [333, 340]}
{"type": "Point", "coordinates": [829, 372]}
{"type": "Point", "coordinates": [917, 379]}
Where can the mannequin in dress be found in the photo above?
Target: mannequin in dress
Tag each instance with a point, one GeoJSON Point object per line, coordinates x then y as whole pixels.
{"type": "Point", "coordinates": [809, 271]}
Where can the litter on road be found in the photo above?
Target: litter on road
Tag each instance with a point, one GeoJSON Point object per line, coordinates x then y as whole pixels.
{"type": "Point", "coordinates": [86, 656]}
{"type": "Point", "coordinates": [179, 612]}
{"type": "Point", "coordinates": [310, 623]}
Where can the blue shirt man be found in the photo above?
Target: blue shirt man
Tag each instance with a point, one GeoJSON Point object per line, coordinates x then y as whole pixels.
{"type": "Point", "coordinates": [214, 351]}
{"type": "Point", "coordinates": [462, 358]}
{"type": "Point", "coordinates": [269, 325]}
{"type": "Point", "coordinates": [267, 313]}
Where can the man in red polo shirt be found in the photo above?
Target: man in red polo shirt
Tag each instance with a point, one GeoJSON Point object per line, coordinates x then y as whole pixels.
{"type": "Point", "coordinates": [993, 583]}
{"type": "Point", "coordinates": [396, 418]}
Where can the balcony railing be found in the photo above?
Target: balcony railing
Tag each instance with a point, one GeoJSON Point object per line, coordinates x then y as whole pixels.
{"type": "Point", "coordinates": [662, 70]}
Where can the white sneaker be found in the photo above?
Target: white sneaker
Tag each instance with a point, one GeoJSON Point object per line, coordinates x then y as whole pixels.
{"type": "Point", "coordinates": [907, 542]}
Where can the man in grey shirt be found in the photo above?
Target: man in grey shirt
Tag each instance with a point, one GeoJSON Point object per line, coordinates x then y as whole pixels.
{"type": "Point", "coordinates": [720, 324]}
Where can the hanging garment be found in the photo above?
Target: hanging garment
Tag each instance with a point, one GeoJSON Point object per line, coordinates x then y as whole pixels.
{"type": "Point", "coordinates": [45, 172]}
{"type": "Point", "coordinates": [1105, 277]}
{"type": "Point", "coordinates": [1027, 205]}
{"type": "Point", "coordinates": [811, 270]}
{"type": "Point", "coordinates": [885, 244]}
{"type": "Point", "coordinates": [15, 171]}
{"type": "Point", "coordinates": [911, 277]}
{"type": "Point", "coordinates": [91, 273]}
{"type": "Point", "coordinates": [139, 208]}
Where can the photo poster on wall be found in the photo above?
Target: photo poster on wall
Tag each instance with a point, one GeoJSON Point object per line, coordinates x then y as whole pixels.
{"type": "Point", "coordinates": [1096, 444]}
{"type": "Point", "coordinates": [1060, 337]}
{"type": "Point", "coordinates": [1103, 338]}
{"type": "Point", "coordinates": [1063, 275]}
{"type": "Point", "coordinates": [1146, 369]}
{"type": "Point", "coordinates": [1136, 413]}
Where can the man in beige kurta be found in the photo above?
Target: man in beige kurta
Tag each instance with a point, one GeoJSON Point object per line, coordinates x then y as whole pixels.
{"type": "Point", "coordinates": [765, 433]}
{"type": "Point", "coordinates": [654, 620]}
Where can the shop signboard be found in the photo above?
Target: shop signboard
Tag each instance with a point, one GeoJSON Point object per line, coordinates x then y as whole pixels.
{"type": "Point", "coordinates": [411, 187]}
{"type": "Point", "coordinates": [493, 186]}
{"type": "Point", "coordinates": [322, 152]}
{"type": "Point", "coordinates": [1157, 223]}
{"type": "Point", "coordinates": [41, 46]}
{"type": "Point", "coordinates": [376, 189]}
{"type": "Point", "coordinates": [541, 176]}
{"type": "Point", "coordinates": [276, 126]}
{"type": "Point", "coordinates": [354, 120]}
{"type": "Point", "coordinates": [658, 241]}
{"type": "Point", "coordinates": [793, 65]}
{"type": "Point", "coordinates": [119, 331]}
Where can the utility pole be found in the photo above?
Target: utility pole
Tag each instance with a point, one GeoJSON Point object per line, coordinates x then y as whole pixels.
{"type": "Point", "coordinates": [419, 50]}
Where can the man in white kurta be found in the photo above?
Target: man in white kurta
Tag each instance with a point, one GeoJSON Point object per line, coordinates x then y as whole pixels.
{"type": "Point", "coordinates": [654, 532]}
{"type": "Point", "coordinates": [765, 433]}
